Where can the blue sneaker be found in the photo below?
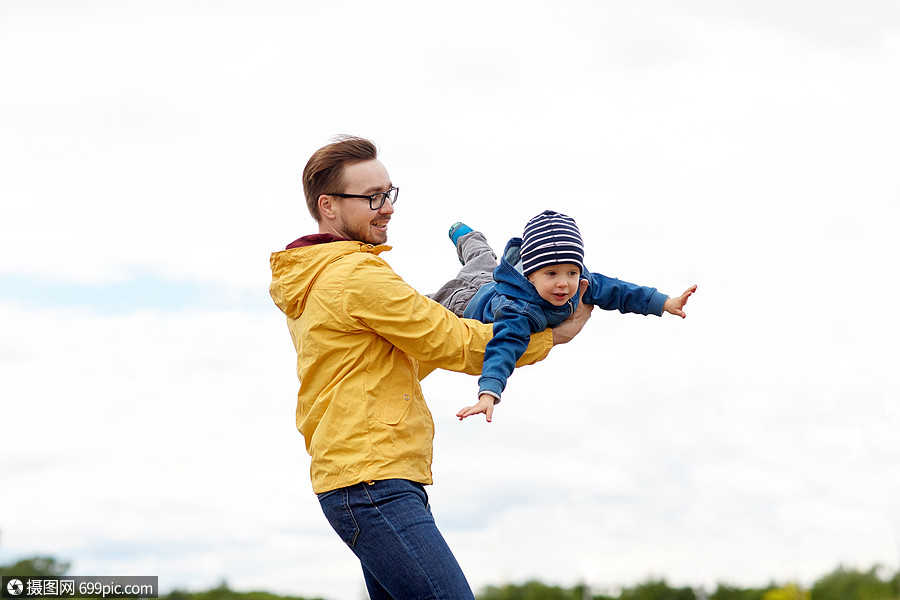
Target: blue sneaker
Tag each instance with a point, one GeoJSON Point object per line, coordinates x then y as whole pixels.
{"type": "Point", "coordinates": [457, 230]}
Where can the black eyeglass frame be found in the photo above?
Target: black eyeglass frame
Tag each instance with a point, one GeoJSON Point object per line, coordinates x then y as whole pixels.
{"type": "Point", "coordinates": [373, 198]}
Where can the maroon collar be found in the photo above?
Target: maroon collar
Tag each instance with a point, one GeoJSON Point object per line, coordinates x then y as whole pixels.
{"type": "Point", "coordinates": [315, 239]}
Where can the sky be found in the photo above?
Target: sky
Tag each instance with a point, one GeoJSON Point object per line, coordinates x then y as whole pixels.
{"type": "Point", "coordinates": [150, 160]}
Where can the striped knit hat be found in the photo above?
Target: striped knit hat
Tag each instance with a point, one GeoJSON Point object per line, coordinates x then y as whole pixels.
{"type": "Point", "coordinates": [551, 238]}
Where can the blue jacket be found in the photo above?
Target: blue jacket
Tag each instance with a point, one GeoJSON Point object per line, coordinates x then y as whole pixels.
{"type": "Point", "coordinates": [513, 305]}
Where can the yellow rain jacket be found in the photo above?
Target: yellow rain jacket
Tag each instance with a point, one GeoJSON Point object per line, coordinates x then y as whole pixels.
{"type": "Point", "coordinates": [364, 340]}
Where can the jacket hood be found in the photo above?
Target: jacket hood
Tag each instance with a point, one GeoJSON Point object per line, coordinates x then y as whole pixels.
{"type": "Point", "coordinates": [295, 269]}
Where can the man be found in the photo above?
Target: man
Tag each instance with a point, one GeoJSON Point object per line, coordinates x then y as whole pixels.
{"type": "Point", "coordinates": [364, 340]}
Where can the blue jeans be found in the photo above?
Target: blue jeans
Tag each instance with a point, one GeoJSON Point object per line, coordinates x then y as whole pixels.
{"type": "Point", "coordinates": [388, 526]}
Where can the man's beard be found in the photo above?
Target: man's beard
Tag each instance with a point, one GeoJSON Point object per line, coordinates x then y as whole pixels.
{"type": "Point", "coordinates": [364, 233]}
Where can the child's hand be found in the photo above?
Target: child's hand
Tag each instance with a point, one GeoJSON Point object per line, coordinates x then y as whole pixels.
{"type": "Point", "coordinates": [485, 405]}
{"type": "Point", "coordinates": [674, 305]}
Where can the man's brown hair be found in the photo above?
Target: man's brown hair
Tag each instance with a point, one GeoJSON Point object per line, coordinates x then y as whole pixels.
{"type": "Point", "coordinates": [324, 172]}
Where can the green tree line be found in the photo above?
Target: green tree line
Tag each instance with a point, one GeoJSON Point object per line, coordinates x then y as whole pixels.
{"type": "Point", "coordinates": [843, 583]}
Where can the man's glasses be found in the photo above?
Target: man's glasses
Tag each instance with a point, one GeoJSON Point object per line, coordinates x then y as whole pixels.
{"type": "Point", "coordinates": [376, 201]}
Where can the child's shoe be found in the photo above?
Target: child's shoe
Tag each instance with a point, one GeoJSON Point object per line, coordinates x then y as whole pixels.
{"type": "Point", "coordinates": [457, 230]}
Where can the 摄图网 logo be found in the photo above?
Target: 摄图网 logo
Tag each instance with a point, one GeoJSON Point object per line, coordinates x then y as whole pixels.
{"type": "Point", "coordinates": [14, 587]}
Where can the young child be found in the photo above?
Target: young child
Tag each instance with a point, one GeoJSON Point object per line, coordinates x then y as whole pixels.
{"type": "Point", "coordinates": [535, 286]}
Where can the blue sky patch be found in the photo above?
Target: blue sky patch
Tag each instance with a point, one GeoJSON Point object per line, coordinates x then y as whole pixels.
{"type": "Point", "coordinates": [146, 292]}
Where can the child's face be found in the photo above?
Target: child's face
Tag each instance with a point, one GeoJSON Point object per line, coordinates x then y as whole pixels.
{"type": "Point", "coordinates": [556, 283]}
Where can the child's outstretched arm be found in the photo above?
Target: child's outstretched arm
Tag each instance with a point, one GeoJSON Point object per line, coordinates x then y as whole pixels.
{"type": "Point", "coordinates": [485, 405]}
{"type": "Point", "coordinates": [675, 305]}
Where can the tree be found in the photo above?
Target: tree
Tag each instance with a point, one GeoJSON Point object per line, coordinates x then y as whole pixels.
{"type": "Point", "coordinates": [850, 584]}
{"type": "Point", "coordinates": [532, 590]}
{"type": "Point", "coordinates": [789, 592]}
{"type": "Point", "coordinates": [36, 566]}
{"type": "Point", "coordinates": [223, 592]}
{"type": "Point", "coordinates": [727, 592]}
{"type": "Point", "coordinates": [657, 590]}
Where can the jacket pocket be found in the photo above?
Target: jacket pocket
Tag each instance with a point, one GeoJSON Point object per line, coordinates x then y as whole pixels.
{"type": "Point", "coordinates": [394, 408]}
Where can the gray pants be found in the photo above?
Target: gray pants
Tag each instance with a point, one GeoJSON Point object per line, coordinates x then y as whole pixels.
{"type": "Point", "coordinates": [479, 262]}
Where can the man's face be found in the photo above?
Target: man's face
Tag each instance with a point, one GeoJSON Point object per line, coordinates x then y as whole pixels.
{"type": "Point", "coordinates": [354, 219]}
{"type": "Point", "coordinates": [556, 283]}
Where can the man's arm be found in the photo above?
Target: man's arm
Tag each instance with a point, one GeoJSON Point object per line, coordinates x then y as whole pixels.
{"type": "Point", "coordinates": [380, 301]}
{"type": "Point", "coordinates": [428, 332]}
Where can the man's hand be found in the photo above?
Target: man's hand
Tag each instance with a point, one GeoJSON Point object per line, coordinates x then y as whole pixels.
{"type": "Point", "coordinates": [673, 306]}
{"type": "Point", "coordinates": [568, 329]}
{"type": "Point", "coordinates": [485, 405]}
